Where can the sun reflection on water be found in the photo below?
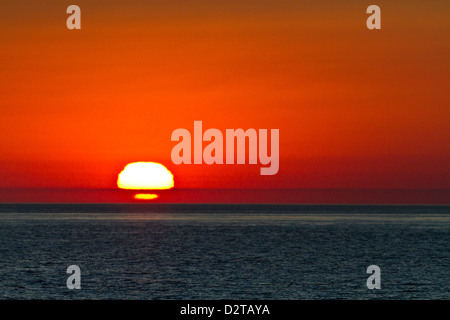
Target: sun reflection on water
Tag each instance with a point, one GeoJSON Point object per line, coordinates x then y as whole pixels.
{"type": "Point", "coordinates": [145, 196]}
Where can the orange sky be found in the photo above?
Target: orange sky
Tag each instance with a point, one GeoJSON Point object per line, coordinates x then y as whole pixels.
{"type": "Point", "coordinates": [355, 108]}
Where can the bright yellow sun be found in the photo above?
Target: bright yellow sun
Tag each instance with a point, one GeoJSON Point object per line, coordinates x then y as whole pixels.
{"type": "Point", "coordinates": [145, 175]}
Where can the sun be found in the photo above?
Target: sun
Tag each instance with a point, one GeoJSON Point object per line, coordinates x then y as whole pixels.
{"type": "Point", "coordinates": [145, 175]}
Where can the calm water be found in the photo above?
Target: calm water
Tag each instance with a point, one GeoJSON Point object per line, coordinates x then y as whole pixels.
{"type": "Point", "coordinates": [224, 252]}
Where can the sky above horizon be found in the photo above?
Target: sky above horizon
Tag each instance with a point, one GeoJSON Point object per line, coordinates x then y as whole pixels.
{"type": "Point", "coordinates": [356, 108]}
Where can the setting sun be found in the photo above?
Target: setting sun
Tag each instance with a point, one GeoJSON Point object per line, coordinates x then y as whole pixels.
{"type": "Point", "coordinates": [145, 175]}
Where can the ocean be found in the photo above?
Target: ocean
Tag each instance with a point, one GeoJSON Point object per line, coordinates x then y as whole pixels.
{"type": "Point", "coordinates": [236, 252]}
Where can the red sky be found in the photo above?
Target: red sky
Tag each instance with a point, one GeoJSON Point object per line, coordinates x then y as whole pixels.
{"type": "Point", "coordinates": [356, 108]}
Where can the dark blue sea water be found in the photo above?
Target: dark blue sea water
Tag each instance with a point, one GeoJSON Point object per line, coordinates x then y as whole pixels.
{"type": "Point", "coordinates": [224, 251]}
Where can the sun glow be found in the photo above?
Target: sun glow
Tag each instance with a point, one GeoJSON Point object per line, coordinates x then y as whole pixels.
{"type": "Point", "coordinates": [145, 175]}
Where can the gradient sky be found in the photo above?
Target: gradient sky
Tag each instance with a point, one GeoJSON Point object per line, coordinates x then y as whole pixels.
{"type": "Point", "coordinates": [356, 108]}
